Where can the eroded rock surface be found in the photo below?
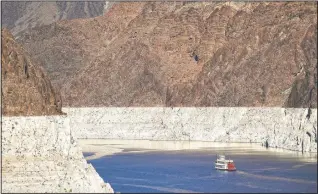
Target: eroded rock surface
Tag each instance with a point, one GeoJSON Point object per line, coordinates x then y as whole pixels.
{"type": "Point", "coordinates": [26, 89]}
{"type": "Point", "coordinates": [289, 128]}
{"type": "Point", "coordinates": [40, 155]}
{"type": "Point", "coordinates": [143, 54]}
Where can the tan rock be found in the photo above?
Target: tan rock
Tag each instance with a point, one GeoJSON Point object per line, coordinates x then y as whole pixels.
{"type": "Point", "coordinates": [25, 87]}
{"type": "Point", "coordinates": [142, 54]}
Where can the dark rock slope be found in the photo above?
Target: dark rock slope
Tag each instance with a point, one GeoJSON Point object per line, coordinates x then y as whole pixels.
{"type": "Point", "coordinates": [25, 88]}
{"type": "Point", "coordinates": [184, 54]}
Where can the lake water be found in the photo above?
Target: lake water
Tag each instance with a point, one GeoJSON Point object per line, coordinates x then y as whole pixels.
{"type": "Point", "coordinates": [193, 171]}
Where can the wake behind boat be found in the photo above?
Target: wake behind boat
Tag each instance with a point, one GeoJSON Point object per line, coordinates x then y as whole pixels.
{"type": "Point", "coordinates": [222, 164]}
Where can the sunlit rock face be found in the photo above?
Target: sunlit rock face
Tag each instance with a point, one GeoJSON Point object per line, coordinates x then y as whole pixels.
{"type": "Point", "coordinates": [292, 128]}
{"type": "Point", "coordinates": [26, 90]}
{"type": "Point", "coordinates": [40, 154]}
{"type": "Point", "coordinates": [184, 54]}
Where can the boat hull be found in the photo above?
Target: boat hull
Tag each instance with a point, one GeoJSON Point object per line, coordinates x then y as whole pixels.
{"type": "Point", "coordinates": [226, 169]}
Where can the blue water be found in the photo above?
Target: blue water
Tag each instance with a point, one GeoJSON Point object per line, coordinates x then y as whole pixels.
{"type": "Point", "coordinates": [194, 172]}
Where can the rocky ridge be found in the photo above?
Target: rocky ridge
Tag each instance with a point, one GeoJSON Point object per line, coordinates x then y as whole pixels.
{"type": "Point", "coordinates": [39, 154]}
{"type": "Point", "coordinates": [25, 87]}
{"type": "Point", "coordinates": [142, 54]}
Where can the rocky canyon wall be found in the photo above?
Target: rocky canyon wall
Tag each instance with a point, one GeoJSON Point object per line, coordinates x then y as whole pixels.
{"type": "Point", "coordinates": [40, 154]}
{"type": "Point", "coordinates": [250, 54]}
{"type": "Point", "coordinates": [26, 90]}
{"type": "Point", "coordinates": [287, 128]}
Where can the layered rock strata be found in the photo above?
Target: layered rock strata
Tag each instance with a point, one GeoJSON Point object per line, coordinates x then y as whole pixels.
{"type": "Point", "coordinates": [40, 154]}
{"type": "Point", "coordinates": [292, 129]}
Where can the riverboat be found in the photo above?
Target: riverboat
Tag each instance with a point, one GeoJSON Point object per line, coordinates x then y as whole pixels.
{"type": "Point", "coordinates": [223, 164]}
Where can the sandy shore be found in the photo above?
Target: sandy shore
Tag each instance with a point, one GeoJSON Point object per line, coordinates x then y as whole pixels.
{"type": "Point", "coordinates": [103, 147]}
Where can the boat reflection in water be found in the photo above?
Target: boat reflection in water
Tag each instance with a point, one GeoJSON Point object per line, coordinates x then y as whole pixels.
{"type": "Point", "coordinates": [222, 164]}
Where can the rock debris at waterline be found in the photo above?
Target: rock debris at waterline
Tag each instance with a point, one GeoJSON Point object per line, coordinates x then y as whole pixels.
{"type": "Point", "coordinates": [40, 154]}
{"type": "Point", "coordinates": [286, 128]}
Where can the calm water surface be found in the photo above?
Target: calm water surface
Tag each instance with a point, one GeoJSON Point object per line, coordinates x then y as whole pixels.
{"type": "Point", "coordinates": [193, 171]}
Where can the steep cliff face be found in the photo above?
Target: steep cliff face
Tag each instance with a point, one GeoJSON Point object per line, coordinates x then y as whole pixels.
{"type": "Point", "coordinates": [41, 155]}
{"type": "Point", "coordinates": [287, 128]}
{"type": "Point", "coordinates": [304, 89]}
{"type": "Point", "coordinates": [266, 53]}
{"type": "Point", "coordinates": [25, 88]}
{"type": "Point", "coordinates": [184, 54]}
{"type": "Point", "coordinates": [19, 16]}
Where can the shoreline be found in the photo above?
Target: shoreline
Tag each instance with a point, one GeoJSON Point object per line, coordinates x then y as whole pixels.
{"type": "Point", "coordinates": [107, 147]}
{"type": "Point", "coordinates": [289, 129]}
